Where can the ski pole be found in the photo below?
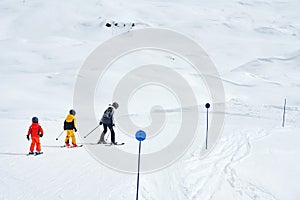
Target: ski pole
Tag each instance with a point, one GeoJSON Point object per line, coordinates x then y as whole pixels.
{"type": "Point", "coordinates": [107, 137]}
{"type": "Point", "coordinates": [60, 135]}
{"type": "Point", "coordinates": [91, 131]}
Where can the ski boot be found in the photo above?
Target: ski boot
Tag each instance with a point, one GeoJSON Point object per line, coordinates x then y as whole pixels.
{"type": "Point", "coordinates": [101, 141]}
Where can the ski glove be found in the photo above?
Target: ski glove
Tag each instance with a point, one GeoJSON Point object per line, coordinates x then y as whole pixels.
{"type": "Point", "coordinates": [41, 135]}
{"type": "Point", "coordinates": [113, 124]}
{"type": "Point", "coordinates": [75, 129]}
{"type": "Point", "coordinates": [28, 137]}
{"type": "Point", "coordinates": [100, 123]}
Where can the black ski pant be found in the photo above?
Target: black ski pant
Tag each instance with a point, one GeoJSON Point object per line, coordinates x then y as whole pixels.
{"type": "Point", "coordinates": [112, 132]}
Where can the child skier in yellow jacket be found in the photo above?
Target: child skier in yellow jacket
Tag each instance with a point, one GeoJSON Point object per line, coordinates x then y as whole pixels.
{"type": "Point", "coordinates": [70, 127]}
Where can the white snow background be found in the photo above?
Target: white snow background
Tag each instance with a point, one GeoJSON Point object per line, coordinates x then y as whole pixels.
{"type": "Point", "coordinates": [255, 45]}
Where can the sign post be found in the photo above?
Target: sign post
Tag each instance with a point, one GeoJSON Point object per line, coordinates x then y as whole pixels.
{"type": "Point", "coordinates": [140, 136]}
{"type": "Point", "coordinates": [207, 106]}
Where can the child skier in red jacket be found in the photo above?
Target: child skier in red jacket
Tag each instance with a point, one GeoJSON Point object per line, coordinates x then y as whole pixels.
{"type": "Point", "coordinates": [36, 131]}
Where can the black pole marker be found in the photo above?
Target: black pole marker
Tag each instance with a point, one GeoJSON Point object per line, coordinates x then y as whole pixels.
{"type": "Point", "coordinates": [207, 106]}
{"type": "Point", "coordinates": [283, 118]}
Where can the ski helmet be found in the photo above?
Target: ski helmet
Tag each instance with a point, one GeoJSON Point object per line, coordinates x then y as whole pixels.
{"type": "Point", "coordinates": [115, 105]}
{"type": "Point", "coordinates": [35, 120]}
{"type": "Point", "coordinates": [72, 112]}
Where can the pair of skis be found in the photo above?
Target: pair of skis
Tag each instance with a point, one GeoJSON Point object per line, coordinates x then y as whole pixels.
{"type": "Point", "coordinates": [34, 154]}
{"type": "Point", "coordinates": [112, 144]}
{"type": "Point", "coordinates": [71, 146]}
{"type": "Point", "coordinates": [107, 144]}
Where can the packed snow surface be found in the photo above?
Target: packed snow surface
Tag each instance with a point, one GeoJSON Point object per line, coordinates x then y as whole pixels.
{"type": "Point", "coordinates": [255, 46]}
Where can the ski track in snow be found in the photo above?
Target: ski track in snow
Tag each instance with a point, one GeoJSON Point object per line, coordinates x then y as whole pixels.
{"type": "Point", "coordinates": [244, 187]}
{"type": "Point", "coordinates": [200, 185]}
{"type": "Point", "coordinates": [201, 177]}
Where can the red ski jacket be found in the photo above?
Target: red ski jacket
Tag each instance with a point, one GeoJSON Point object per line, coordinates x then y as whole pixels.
{"type": "Point", "coordinates": [35, 129]}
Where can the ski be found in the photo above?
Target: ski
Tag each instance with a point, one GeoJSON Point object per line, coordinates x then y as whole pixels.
{"type": "Point", "coordinates": [34, 154]}
{"type": "Point", "coordinates": [116, 144]}
{"type": "Point", "coordinates": [71, 146]}
{"type": "Point", "coordinates": [81, 145]}
{"type": "Point", "coordinates": [103, 143]}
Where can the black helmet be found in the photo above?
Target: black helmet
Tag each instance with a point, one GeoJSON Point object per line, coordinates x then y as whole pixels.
{"type": "Point", "coordinates": [35, 120]}
{"type": "Point", "coordinates": [115, 105]}
{"type": "Point", "coordinates": [72, 112]}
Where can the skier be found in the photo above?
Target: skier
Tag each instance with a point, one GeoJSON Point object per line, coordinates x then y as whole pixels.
{"type": "Point", "coordinates": [70, 127]}
{"type": "Point", "coordinates": [108, 121]}
{"type": "Point", "coordinates": [36, 131]}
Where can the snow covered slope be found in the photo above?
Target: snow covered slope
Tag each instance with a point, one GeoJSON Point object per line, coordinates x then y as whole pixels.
{"type": "Point", "coordinates": [255, 46]}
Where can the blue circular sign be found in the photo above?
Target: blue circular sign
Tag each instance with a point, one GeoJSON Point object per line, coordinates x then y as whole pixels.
{"type": "Point", "coordinates": [140, 135]}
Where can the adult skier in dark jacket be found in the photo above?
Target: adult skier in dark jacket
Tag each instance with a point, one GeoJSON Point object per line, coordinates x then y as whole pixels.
{"type": "Point", "coordinates": [107, 120]}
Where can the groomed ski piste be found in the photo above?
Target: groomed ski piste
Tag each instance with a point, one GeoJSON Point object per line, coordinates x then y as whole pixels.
{"type": "Point", "coordinates": [255, 47]}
